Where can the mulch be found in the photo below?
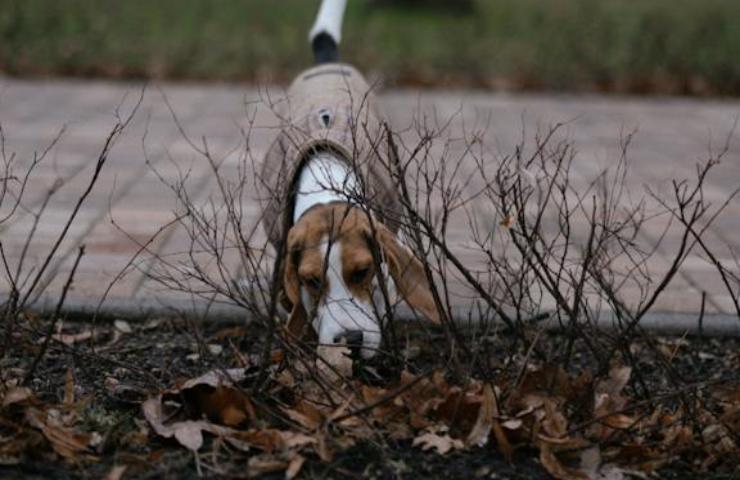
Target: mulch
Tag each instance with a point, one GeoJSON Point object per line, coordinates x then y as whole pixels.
{"type": "Point", "coordinates": [94, 378]}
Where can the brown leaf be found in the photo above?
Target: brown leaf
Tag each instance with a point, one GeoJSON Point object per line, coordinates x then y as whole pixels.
{"type": "Point", "coordinates": [441, 443]}
{"type": "Point", "coordinates": [116, 473]}
{"type": "Point", "coordinates": [17, 395]}
{"type": "Point", "coordinates": [271, 440]}
{"type": "Point", "coordinates": [385, 410]}
{"type": "Point", "coordinates": [230, 332]}
{"type": "Point", "coordinates": [212, 395]}
{"type": "Point", "coordinates": [512, 424]}
{"type": "Point", "coordinates": [482, 472]}
{"type": "Point", "coordinates": [548, 381]}
{"type": "Point", "coordinates": [262, 464]}
{"type": "Point", "coordinates": [426, 395]}
{"type": "Point", "coordinates": [334, 362]}
{"type": "Point", "coordinates": [294, 467]}
{"type": "Point", "coordinates": [502, 440]}
{"type": "Point", "coordinates": [123, 392]}
{"type": "Point", "coordinates": [454, 406]}
{"type": "Point", "coordinates": [72, 338]}
{"type": "Point", "coordinates": [618, 378]}
{"type": "Point", "coordinates": [594, 469]}
{"type": "Point", "coordinates": [554, 422]}
{"type": "Point", "coordinates": [297, 440]}
{"type": "Point", "coordinates": [16, 440]}
{"type": "Point", "coordinates": [69, 388]}
{"type": "Point", "coordinates": [613, 472]}
{"type": "Point", "coordinates": [399, 431]}
{"type": "Point", "coordinates": [561, 443]}
{"type": "Point", "coordinates": [215, 378]}
{"type": "Point", "coordinates": [66, 442]}
{"type": "Point", "coordinates": [557, 469]}
{"type": "Point", "coordinates": [224, 405]}
{"type": "Point", "coordinates": [478, 436]}
{"type": "Point", "coordinates": [305, 414]}
{"type": "Point", "coordinates": [619, 421]}
{"type": "Point", "coordinates": [341, 411]}
{"type": "Point", "coordinates": [122, 326]}
{"type": "Point", "coordinates": [323, 450]}
{"type": "Point", "coordinates": [277, 356]}
{"type": "Point", "coordinates": [487, 422]}
{"type": "Point", "coordinates": [508, 221]}
{"type": "Point", "coordinates": [187, 432]}
{"type": "Point", "coordinates": [591, 460]}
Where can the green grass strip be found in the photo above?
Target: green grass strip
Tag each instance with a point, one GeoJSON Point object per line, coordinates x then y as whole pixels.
{"type": "Point", "coordinates": [670, 46]}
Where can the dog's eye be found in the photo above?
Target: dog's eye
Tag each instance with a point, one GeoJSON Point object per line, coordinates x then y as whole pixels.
{"type": "Point", "coordinates": [359, 275]}
{"type": "Point", "coordinates": [313, 283]}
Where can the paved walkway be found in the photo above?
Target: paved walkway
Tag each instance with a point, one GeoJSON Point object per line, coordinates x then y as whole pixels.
{"type": "Point", "coordinates": [672, 135]}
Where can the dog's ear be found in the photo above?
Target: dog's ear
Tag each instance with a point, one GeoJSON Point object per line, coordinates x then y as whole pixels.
{"type": "Point", "coordinates": [297, 321]}
{"type": "Point", "coordinates": [291, 286]}
{"type": "Point", "coordinates": [408, 274]}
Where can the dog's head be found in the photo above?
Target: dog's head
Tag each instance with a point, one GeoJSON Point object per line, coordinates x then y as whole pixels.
{"type": "Point", "coordinates": [335, 262]}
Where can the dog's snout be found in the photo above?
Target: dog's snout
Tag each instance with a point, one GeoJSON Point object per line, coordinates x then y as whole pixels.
{"type": "Point", "coordinates": [353, 338]}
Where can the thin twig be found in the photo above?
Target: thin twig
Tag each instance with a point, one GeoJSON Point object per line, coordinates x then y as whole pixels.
{"type": "Point", "coordinates": [55, 318]}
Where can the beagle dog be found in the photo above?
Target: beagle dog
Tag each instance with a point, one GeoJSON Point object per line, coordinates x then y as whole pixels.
{"type": "Point", "coordinates": [330, 205]}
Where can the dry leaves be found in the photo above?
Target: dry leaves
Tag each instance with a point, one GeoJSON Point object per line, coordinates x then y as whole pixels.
{"type": "Point", "coordinates": [584, 428]}
{"type": "Point", "coordinates": [210, 403]}
{"type": "Point", "coordinates": [116, 472]}
{"type": "Point", "coordinates": [70, 444]}
{"type": "Point", "coordinates": [30, 426]}
{"type": "Point", "coordinates": [440, 443]}
{"type": "Point", "coordinates": [313, 408]}
{"type": "Point", "coordinates": [334, 362]}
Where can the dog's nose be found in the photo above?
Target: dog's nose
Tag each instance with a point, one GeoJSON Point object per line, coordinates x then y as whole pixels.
{"type": "Point", "coordinates": [352, 337]}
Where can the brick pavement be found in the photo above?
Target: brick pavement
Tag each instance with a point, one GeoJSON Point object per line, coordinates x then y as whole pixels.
{"type": "Point", "coordinates": [672, 134]}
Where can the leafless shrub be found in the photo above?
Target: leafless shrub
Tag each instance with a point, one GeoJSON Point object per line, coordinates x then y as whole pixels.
{"type": "Point", "coordinates": [541, 249]}
{"type": "Point", "coordinates": [515, 245]}
{"type": "Point", "coordinates": [545, 247]}
{"type": "Point", "coordinates": [27, 281]}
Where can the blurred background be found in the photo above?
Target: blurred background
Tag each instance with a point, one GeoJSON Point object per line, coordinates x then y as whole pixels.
{"type": "Point", "coordinates": [686, 47]}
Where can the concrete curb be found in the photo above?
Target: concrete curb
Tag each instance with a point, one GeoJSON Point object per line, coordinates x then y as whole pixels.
{"type": "Point", "coordinates": [667, 323]}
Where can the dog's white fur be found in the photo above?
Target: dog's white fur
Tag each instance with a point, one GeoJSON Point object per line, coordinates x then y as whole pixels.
{"type": "Point", "coordinates": [329, 20]}
{"type": "Point", "coordinates": [324, 179]}
{"type": "Point", "coordinates": [339, 311]}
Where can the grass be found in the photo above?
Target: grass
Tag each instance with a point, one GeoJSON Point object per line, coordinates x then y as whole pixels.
{"type": "Point", "coordinates": [667, 46]}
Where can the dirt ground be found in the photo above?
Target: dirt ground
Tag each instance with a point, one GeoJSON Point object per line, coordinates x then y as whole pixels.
{"type": "Point", "coordinates": [106, 371]}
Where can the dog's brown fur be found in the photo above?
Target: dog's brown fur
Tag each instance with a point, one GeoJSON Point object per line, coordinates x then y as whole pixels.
{"type": "Point", "coordinates": [340, 222]}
